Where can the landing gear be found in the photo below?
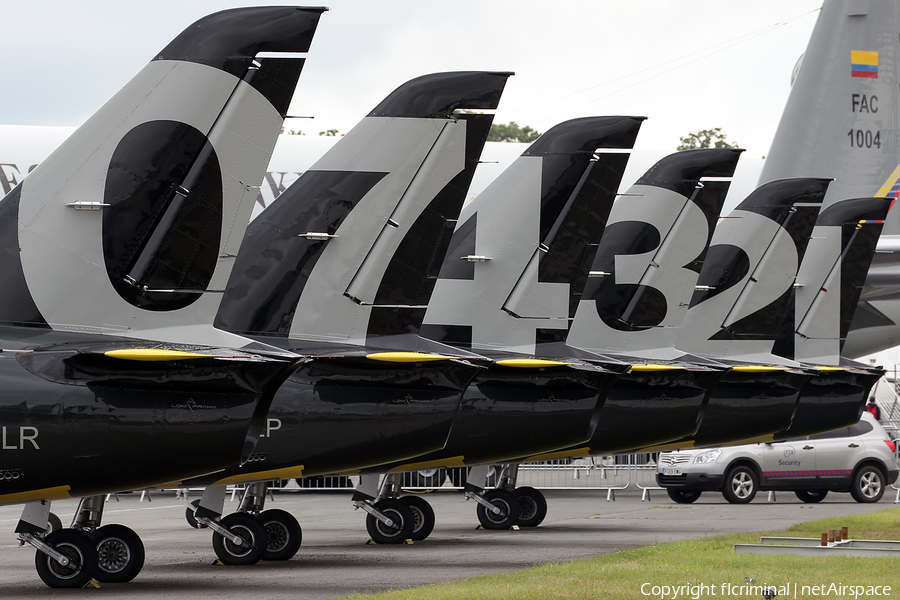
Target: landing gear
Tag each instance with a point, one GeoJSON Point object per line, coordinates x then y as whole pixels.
{"type": "Point", "coordinates": [53, 523]}
{"type": "Point", "coordinates": [245, 542]}
{"type": "Point", "coordinates": [502, 513]}
{"type": "Point", "coordinates": [505, 506]}
{"type": "Point", "coordinates": [423, 516]}
{"type": "Point", "coordinates": [532, 506]}
{"type": "Point", "coordinates": [396, 528]}
{"type": "Point", "coordinates": [392, 519]}
{"type": "Point", "coordinates": [75, 563]}
{"type": "Point", "coordinates": [120, 553]}
{"type": "Point", "coordinates": [189, 516]}
{"type": "Point", "coordinates": [283, 534]}
{"type": "Point", "coordinates": [72, 557]}
{"type": "Point", "coordinates": [251, 534]}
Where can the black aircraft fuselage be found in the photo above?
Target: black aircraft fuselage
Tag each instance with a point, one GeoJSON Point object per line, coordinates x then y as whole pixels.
{"type": "Point", "coordinates": [75, 421]}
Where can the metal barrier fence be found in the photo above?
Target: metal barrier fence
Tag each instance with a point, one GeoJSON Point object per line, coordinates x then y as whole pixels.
{"type": "Point", "coordinates": [608, 473]}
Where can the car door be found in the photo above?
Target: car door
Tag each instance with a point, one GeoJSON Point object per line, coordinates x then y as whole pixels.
{"type": "Point", "coordinates": [838, 452]}
{"type": "Point", "coordinates": [790, 465]}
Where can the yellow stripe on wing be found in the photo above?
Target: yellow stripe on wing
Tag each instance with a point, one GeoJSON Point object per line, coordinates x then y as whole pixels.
{"type": "Point", "coordinates": [151, 354]}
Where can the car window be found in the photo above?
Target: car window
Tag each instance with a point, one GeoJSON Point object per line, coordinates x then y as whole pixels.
{"type": "Point", "coordinates": [837, 433]}
{"type": "Point", "coordinates": [861, 428]}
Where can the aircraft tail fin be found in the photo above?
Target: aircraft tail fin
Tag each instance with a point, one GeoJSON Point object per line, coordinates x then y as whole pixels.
{"type": "Point", "coordinates": [139, 214]}
{"type": "Point", "coordinates": [831, 279]}
{"type": "Point", "coordinates": [522, 248]}
{"type": "Point", "coordinates": [351, 250]}
{"type": "Point", "coordinates": [747, 279]}
{"type": "Point", "coordinates": [650, 254]}
{"type": "Point", "coordinates": [840, 118]}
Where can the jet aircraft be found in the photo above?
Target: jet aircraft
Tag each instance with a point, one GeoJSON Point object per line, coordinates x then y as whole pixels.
{"type": "Point", "coordinates": [113, 251]}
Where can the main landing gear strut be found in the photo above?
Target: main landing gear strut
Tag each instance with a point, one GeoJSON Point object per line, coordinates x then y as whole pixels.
{"type": "Point", "coordinates": [506, 505]}
{"type": "Point", "coordinates": [251, 534]}
{"type": "Point", "coordinates": [392, 518]}
{"type": "Point", "coordinates": [70, 558]}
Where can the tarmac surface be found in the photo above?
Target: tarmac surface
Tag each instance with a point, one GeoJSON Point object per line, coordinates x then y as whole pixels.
{"type": "Point", "coordinates": [335, 560]}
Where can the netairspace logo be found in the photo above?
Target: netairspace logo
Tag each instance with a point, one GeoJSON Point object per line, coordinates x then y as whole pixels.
{"type": "Point", "coordinates": [695, 591]}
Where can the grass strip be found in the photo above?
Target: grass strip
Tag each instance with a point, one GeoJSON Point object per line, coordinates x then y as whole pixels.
{"type": "Point", "coordinates": [632, 574]}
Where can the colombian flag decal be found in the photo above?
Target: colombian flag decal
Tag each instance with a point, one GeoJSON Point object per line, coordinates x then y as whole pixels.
{"type": "Point", "coordinates": [864, 64]}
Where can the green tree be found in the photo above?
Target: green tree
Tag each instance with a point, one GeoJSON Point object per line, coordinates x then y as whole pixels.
{"type": "Point", "coordinates": [706, 138]}
{"type": "Point", "coordinates": [329, 133]}
{"type": "Point", "coordinates": [512, 132]}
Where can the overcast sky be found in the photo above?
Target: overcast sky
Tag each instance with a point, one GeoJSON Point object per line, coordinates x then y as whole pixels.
{"type": "Point", "coordinates": [686, 64]}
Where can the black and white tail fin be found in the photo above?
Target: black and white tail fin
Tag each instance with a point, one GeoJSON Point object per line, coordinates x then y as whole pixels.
{"type": "Point", "coordinates": [521, 250]}
{"type": "Point", "coordinates": [131, 226]}
{"type": "Point", "coordinates": [650, 255]}
{"type": "Point", "coordinates": [744, 289]}
{"type": "Point", "coordinates": [351, 250]}
{"type": "Point", "coordinates": [831, 279]}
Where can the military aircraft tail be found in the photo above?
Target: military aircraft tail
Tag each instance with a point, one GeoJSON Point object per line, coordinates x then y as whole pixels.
{"type": "Point", "coordinates": [648, 259]}
{"type": "Point", "coordinates": [831, 279]}
{"type": "Point", "coordinates": [351, 250]}
{"type": "Point", "coordinates": [745, 286]}
{"type": "Point", "coordinates": [840, 121]}
{"type": "Point", "coordinates": [131, 226]}
{"type": "Point", "coordinates": [520, 253]}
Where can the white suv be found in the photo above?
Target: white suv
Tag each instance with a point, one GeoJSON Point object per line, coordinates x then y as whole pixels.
{"type": "Point", "coordinates": [860, 459]}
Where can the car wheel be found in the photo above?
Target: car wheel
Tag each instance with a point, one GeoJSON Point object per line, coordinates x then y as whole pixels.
{"type": "Point", "coordinates": [740, 486]}
{"type": "Point", "coordinates": [868, 484]}
{"type": "Point", "coordinates": [811, 496]}
{"type": "Point", "coordinates": [683, 496]}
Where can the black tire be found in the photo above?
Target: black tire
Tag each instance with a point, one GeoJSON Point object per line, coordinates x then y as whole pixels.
{"type": "Point", "coordinates": [53, 523]}
{"type": "Point", "coordinates": [250, 551]}
{"type": "Point", "coordinates": [425, 478]}
{"type": "Point", "coordinates": [82, 556]}
{"type": "Point", "coordinates": [191, 519]}
{"type": "Point", "coordinates": [403, 520]}
{"type": "Point", "coordinates": [508, 505]}
{"type": "Point", "coordinates": [811, 496]}
{"type": "Point", "coordinates": [741, 485]}
{"type": "Point", "coordinates": [683, 496]}
{"type": "Point", "coordinates": [120, 554]}
{"type": "Point", "coordinates": [423, 517]}
{"type": "Point", "coordinates": [283, 532]}
{"type": "Point", "coordinates": [868, 484]}
{"type": "Point", "coordinates": [532, 506]}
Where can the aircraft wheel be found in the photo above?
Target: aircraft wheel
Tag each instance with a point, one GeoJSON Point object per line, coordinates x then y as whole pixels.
{"type": "Point", "coordinates": [423, 516]}
{"type": "Point", "coordinates": [120, 553]}
{"type": "Point", "coordinates": [252, 546]}
{"type": "Point", "coordinates": [532, 506]}
{"type": "Point", "coordinates": [403, 520]}
{"type": "Point", "coordinates": [740, 485]}
{"type": "Point", "coordinates": [284, 534]}
{"type": "Point", "coordinates": [53, 523]}
{"type": "Point", "coordinates": [683, 496]}
{"type": "Point", "coordinates": [811, 496]}
{"type": "Point", "coordinates": [509, 510]}
{"type": "Point", "coordinates": [191, 519]}
{"type": "Point", "coordinates": [82, 560]}
{"type": "Point", "coordinates": [868, 484]}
